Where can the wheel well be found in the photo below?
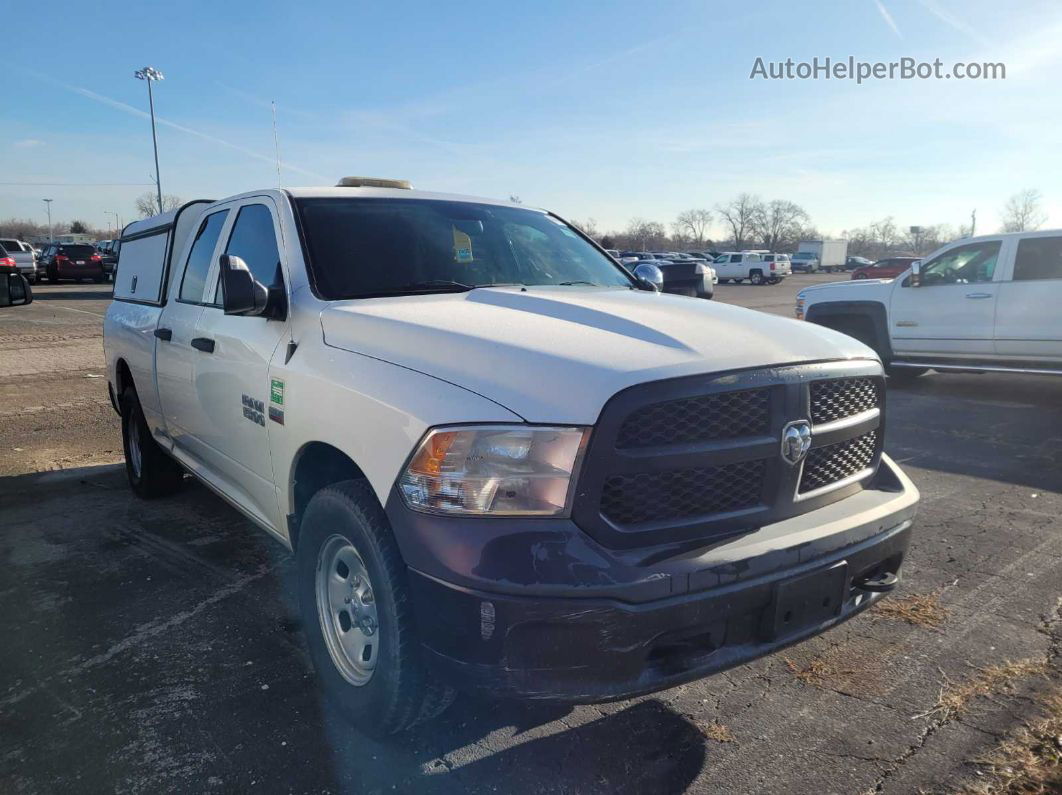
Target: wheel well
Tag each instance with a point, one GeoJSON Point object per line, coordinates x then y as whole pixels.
{"type": "Point", "coordinates": [123, 378]}
{"type": "Point", "coordinates": [859, 327]}
{"type": "Point", "coordinates": [317, 465]}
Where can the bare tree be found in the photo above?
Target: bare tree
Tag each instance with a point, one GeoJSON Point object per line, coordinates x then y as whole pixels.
{"type": "Point", "coordinates": [515, 199]}
{"type": "Point", "coordinates": [884, 233]}
{"type": "Point", "coordinates": [588, 227]}
{"type": "Point", "coordinates": [740, 216]}
{"type": "Point", "coordinates": [147, 204]}
{"type": "Point", "coordinates": [778, 223]}
{"type": "Point", "coordinates": [1022, 212]}
{"type": "Point", "coordinates": [693, 224]}
{"type": "Point", "coordinates": [646, 234]}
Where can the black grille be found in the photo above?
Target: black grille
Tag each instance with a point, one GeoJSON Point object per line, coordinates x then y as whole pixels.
{"type": "Point", "coordinates": [835, 400]}
{"type": "Point", "coordinates": [834, 462]}
{"type": "Point", "coordinates": [650, 496]}
{"type": "Point", "coordinates": [727, 415]}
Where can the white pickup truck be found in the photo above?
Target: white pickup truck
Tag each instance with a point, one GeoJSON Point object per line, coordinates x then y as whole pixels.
{"type": "Point", "coordinates": [984, 304]}
{"type": "Point", "coordinates": [737, 266]}
{"type": "Point", "coordinates": [502, 462]}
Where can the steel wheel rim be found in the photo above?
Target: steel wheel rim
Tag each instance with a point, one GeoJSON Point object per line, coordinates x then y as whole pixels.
{"type": "Point", "coordinates": [346, 609]}
{"type": "Point", "coordinates": [136, 460]}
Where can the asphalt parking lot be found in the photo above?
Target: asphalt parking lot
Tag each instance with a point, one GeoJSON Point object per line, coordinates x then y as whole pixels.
{"type": "Point", "coordinates": [154, 646]}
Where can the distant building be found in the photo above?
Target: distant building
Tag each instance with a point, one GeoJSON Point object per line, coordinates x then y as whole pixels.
{"type": "Point", "coordinates": [75, 237]}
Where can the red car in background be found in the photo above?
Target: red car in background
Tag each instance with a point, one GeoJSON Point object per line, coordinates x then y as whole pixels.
{"type": "Point", "coordinates": [75, 261]}
{"type": "Point", "coordinates": [888, 268]}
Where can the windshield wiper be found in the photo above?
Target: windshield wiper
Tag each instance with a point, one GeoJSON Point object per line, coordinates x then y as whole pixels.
{"type": "Point", "coordinates": [577, 281]}
{"type": "Point", "coordinates": [436, 285]}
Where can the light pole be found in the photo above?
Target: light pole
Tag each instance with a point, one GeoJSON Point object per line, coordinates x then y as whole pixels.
{"type": "Point", "coordinates": [116, 221]}
{"type": "Point", "coordinates": [149, 74]}
{"type": "Point", "coordinates": [48, 204]}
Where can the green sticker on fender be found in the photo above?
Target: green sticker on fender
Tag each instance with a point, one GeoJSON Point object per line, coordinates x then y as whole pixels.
{"type": "Point", "coordinates": [276, 391]}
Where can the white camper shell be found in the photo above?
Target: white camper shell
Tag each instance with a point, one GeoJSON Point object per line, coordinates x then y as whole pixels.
{"type": "Point", "coordinates": [147, 251]}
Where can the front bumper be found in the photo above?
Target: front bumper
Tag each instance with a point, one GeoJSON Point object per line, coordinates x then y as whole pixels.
{"type": "Point", "coordinates": [538, 610]}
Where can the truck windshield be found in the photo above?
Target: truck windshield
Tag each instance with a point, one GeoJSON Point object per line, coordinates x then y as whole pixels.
{"type": "Point", "coordinates": [361, 248]}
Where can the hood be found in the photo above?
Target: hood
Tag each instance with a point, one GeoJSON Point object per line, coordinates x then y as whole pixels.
{"type": "Point", "coordinates": [557, 354]}
{"type": "Point", "coordinates": [872, 285]}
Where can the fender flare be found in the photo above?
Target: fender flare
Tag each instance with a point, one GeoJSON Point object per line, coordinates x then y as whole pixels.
{"type": "Point", "coordinates": [829, 312]}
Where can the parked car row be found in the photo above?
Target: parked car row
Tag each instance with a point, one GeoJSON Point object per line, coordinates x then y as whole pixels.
{"type": "Point", "coordinates": [680, 273]}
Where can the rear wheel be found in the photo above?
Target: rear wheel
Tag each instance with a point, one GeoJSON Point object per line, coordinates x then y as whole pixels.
{"type": "Point", "coordinates": [355, 606]}
{"type": "Point", "coordinates": [151, 472]}
{"type": "Point", "coordinates": [859, 276]}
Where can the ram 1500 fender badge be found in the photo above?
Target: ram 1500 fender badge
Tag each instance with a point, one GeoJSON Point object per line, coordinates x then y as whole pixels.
{"type": "Point", "coordinates": [796, 441]}
{"type": "Point", "coordinates": [253, 409]}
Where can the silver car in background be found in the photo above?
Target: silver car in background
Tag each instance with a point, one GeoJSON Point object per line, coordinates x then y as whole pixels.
{"type": "Point", "coordinates": [22, 253]}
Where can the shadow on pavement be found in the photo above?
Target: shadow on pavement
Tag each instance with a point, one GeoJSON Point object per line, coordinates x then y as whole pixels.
{"type": "Point", "coordinates": [154, 645]}
{"type": "Point", "coordinates": [996, 426]}
{"type": "Point", "coordinates": [43, 291]}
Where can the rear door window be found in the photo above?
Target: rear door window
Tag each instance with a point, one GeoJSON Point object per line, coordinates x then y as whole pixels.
{"type": "Point", "coordinates": [193, 282]}
{"type": "Point", "coordinates": [1038, 258]}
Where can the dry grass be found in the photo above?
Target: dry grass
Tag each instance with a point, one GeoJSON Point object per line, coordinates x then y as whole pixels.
{"type": "Point", "coordinates": [855, 668]}
{"type": "Point", "coordinates": [819, 672]}
{"type": "Point", "coordinates": [1029, 761]}
{"type": "Point", "coordinates": [716, 731]}
{"type": "Point", "coordinates": [920, 609]}
{"type": "Point", "coordinates": [956, 697]}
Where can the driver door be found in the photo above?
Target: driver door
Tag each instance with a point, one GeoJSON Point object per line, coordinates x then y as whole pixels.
{"type": "Point", "coordinates": [953, 311]}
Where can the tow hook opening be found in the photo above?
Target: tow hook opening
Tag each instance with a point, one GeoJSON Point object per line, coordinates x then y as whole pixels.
{"type": "Point", "coordinates": [877, 582]}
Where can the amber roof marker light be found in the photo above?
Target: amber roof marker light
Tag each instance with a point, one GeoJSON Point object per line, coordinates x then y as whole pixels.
{"type": "Point", "coordinates": [373, 182]}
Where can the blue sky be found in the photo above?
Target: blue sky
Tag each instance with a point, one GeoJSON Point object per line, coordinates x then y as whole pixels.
{"type": "Point", "coordinates": [593, 109]}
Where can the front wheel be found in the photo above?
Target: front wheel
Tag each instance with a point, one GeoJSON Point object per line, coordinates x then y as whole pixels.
{"type": "Point", "coordinates": [859, 276]}
{"type": "Point", "coordinates": [756, 277]}
{"type": "Point", "coordinates": [355, 606]}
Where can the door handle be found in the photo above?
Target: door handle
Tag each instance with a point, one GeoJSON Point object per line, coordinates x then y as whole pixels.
{"type": "Point", "coordinates": [978, 295]}
{"type": "Point", "coordinates": [164, 334]}
{"type": "Point", "coordinates": [203, 344]}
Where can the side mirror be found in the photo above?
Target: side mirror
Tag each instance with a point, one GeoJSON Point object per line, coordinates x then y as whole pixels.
{"type": "Point", "coordinates": [649, 277]}
{"type": "Point", "coordinates": [916, 273]}
{"type": "Point", "coordinates": [241, 294]}
{"type": "Point", "coordinates": [15, 290]}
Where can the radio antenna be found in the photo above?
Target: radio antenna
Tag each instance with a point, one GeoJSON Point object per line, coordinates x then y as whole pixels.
{"type": "Point", "coordinates": [276, 142]}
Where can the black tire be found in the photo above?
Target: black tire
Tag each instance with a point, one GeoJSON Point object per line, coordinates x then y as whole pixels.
{"type": "Point", "coordinates": [859, 276]}
{"type": "Point", "coordinates": [53, 277]}
{"type": "Point", "coordinates": [399, 692]}
{"type": "Point", "coordinates": [158, 474]}
{"type": "Point", "coordinates": [905, 375]}
{"type": "Point", "coordinates": [98, 280]}
{"type": "Point", "coordinates": [756, 277]}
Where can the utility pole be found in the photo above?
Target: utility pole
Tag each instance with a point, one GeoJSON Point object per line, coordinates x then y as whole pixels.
{"type": "Point", "coordinates": [973, 223]}
{"type": "Point", "coordinates": [150, 74]}
{"type": "Point", "coordinates": [48, 204]}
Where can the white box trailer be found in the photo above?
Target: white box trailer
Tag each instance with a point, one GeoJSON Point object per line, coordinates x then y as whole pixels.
{"type": "Point", "coordinates": [831, 254]}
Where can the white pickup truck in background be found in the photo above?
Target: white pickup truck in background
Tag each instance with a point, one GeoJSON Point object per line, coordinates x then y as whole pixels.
{"type": "Point", "coordinates": [503, 463]}
{"type": "Point", "coordinates": [984, 304]}
{"type": "Point", "coordinates": [737, 266]}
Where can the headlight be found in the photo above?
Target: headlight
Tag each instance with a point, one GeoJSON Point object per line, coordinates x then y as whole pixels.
{"type": "Point", "coordinates": [498, 470]}
{"type": "Point", "coordinates": [800, 308]}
